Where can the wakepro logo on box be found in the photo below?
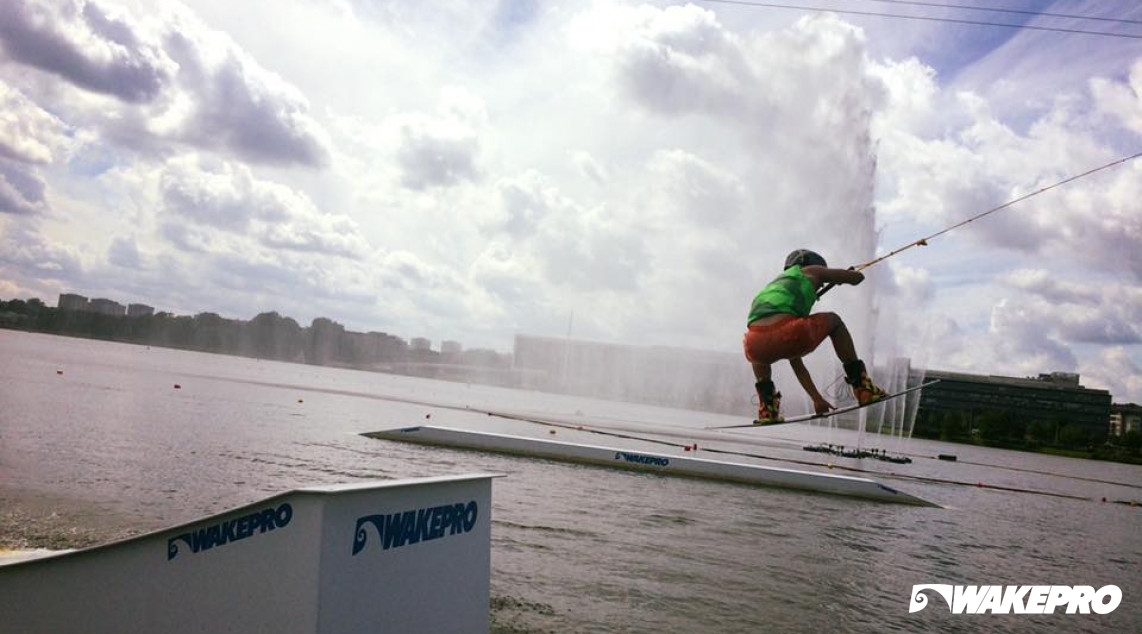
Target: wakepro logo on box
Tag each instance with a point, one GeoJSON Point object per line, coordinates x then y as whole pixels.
{"type": "Point", "coordinates": [1019, 599]}
{"type": "Point", "coordinates": [416, 525]}
{"type": "Point", "coordinates": [230, 531]}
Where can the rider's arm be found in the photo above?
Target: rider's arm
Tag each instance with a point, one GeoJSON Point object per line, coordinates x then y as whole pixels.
{"type": "Point", "coordinates": [823, 275]}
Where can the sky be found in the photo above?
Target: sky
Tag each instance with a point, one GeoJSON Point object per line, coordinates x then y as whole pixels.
{"type": "Point", "coordinates": [629, 172]}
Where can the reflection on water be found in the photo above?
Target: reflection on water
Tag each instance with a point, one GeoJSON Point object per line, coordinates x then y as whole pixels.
{"type": "Point", "coordinates": [575, 548]}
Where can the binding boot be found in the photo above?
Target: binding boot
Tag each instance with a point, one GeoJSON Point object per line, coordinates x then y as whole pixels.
{"type": "Point", "coordinates": [769, 403]}
{"type": "Point", "coordinates": [864, 389]}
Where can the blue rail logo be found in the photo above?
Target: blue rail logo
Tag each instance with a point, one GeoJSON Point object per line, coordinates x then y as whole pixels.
{"type": "Point", "coordinates": [233, 530]}
{"type": "Point", "coordinates": [657, 461]}
{"type": "Point", "coordinates": [413, 526]}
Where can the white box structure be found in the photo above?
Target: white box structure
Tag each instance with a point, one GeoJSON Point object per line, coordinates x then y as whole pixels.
{"type": "Point", "coordinates": [392, 556]}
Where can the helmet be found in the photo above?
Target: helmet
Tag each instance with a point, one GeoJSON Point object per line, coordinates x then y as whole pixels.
{"type": "Point", "coordinates": [804, 257]}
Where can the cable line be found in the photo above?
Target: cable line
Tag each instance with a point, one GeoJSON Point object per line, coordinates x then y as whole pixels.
{"type": "Point", "coordinates": [1046, 14]}
{"type": "Point", "coordinates": [923, 242]}
{"type": "Point", "coordinates": [750, 3]}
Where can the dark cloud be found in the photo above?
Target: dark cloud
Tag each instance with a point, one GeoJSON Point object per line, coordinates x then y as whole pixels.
{"type": "Point", "coordinates": [239, 109]}
{"type": "Point", "coordinates": [1098, 313]}
{"type": "Point", "coordinates": [109, 28]}
{"type": "Point", "coordinates": [124, 253]}
{"type": "Point", "coordinates": [511, 14]}
{"type": "Point", "coordinates": [208, 92]}
{"type": "Point", "coordinates": [21, 191]}
{"type": "Point", "coordinates": [185, 238]}
{"type": "Point", "coordinates": [1109, 239]}
{"type": "Point", "coordinates": [1099, 329]}
{"type": "Point", "coordinates": [80, 43]}
{"type": "Point", "coordinates": [1047, 286]}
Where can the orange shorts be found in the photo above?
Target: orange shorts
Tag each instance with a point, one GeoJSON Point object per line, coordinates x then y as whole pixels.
{"type": "Point", "coordinates": [790, 339]}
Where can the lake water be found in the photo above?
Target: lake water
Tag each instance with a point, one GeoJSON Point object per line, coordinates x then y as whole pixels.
{"type": "Point", "coordinates": [99, 426]}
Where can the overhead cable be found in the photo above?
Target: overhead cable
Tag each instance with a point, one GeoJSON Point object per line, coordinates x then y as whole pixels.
{"type": "Point", "coordinates": [1029, 27]}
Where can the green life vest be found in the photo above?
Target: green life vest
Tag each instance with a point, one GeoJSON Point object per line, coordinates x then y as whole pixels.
{"type": "Point", "coordinates": [791, 293]}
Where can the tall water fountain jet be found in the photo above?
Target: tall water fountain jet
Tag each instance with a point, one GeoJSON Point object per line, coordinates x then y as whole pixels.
{"type": "Point", "coordinates": [850, 238]}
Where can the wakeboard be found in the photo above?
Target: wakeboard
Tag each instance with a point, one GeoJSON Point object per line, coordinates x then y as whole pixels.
{"type": "Point", "coordinates": [842, 410]}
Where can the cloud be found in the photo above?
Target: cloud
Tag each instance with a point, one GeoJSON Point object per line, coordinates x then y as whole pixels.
{"type": "Point", "coordinates": [22, 192]}
{"type": "Point", "coordinates": [1114, 369]}
{"type": "Point", "coordinates": [36, 256]}
{"type": "Point", "coordinates": [915, 285]}
{"type": "Point", "coordinates": [1042, 283]}
{"type": "Point", "coordinates": [124, 253]}
{"type": "Point", "coordinates": [30, 138]}
{"type": "Point", "coordinates": [228, 197]}
{"type": "Point", "coordinates": [510, 277]}
{"type": "Point", "coordinates": [524, 202]}
{"type": "Point", "coordinates": [1119, 100]}
{"type": "Point", "coordinates": [942, 175]}
{"type": "Point", "coordinates": [587, 249]}
{"type": "Point", "coordinates": [443, 149]}
{"type": "Point", "coordinates": [679, 59]}
{"type": "Point", "coordinates": [1064, 271]}
{"type": "Point", "coordinates": [1107, 313]}
{"type": "Point", "coordinates": [28, 133]}
{"type": "Point", "coordinates": [174, 81]}
{"type": "Point", "coordinates": [32, 264]}
{"type": "Point", "coordinates": [1042, 322]}
{"type": "Point", "coordinates": [582, 248]}
{"type": "Point", "coordinates": [591, 168]}
{"type": "Point", "coordinates": [86, 45]}
{"type": "Point", "coordinates": [1020, 341]}
{"type": "Point", "coordinates": [230, 103]}
{"type": "Point", "coordinates": [229, 271]}
{"type": "Point", "coordinates": [696, 191]}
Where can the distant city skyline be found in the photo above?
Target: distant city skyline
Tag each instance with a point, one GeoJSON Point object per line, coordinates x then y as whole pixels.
{"type": "Point", "coordinates": [107, 306]}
